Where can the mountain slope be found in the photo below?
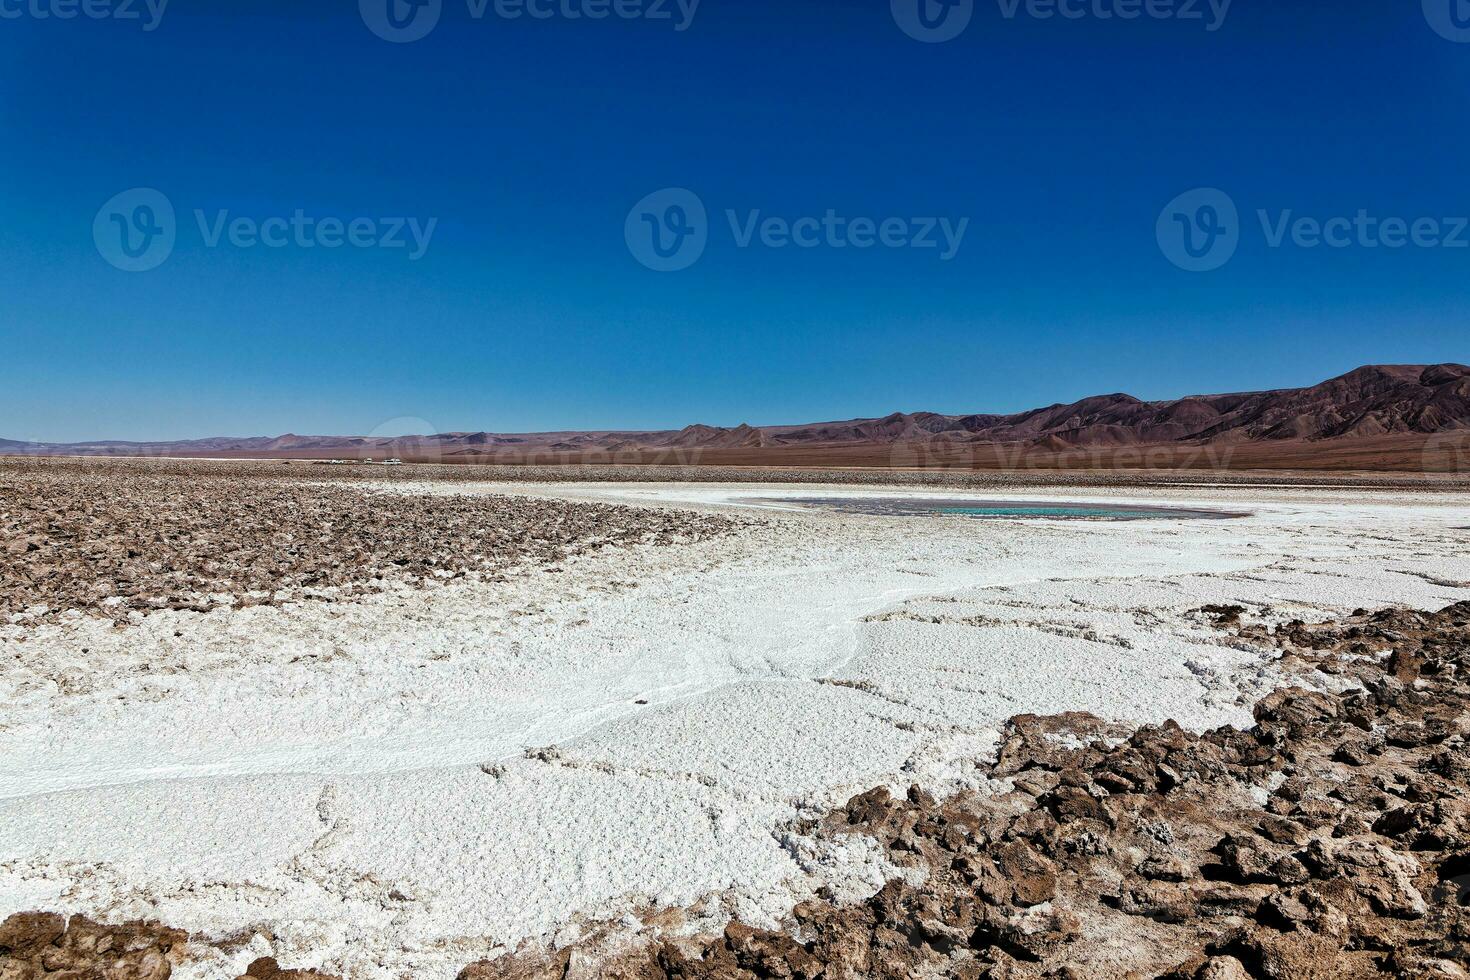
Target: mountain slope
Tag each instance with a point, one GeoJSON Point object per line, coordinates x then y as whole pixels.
{"type": "Point", "coordinates": [1369, 403]}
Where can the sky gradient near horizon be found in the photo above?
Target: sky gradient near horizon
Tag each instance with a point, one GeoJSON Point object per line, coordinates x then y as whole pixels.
{"type": "Point", "coordinates": [528, 141]}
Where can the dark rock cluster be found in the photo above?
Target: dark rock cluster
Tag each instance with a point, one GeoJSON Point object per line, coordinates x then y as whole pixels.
{"type": "Point", "coordinates": [85, 535]}
{"type": "Point", "coordinates": [1331, 840]}
{"type": "Point", "coordinates": [42, 946]}
{"type": "Point", "coordinates": [267, 968]}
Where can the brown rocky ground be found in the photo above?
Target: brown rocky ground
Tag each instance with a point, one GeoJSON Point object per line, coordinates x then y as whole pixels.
{"type": "Point", "coordinates": [112, 537]}
{"type": "Point", "coordinates": [1331, 840]}
{"type": "Point", "coordinates": [36, 944]}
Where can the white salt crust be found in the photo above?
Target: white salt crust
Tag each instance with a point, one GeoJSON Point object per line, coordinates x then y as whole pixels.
{"type": "Point", "coordinates": [354, 779]}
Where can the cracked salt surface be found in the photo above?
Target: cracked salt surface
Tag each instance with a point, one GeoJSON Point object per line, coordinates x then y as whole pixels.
{"type": "Point", "coordinates": [354, 779]}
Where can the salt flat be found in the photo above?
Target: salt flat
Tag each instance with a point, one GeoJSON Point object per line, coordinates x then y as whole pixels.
{"type": "Point", "coordinates": [412, 780]}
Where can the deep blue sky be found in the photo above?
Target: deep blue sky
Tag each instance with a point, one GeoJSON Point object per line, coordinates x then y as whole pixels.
{"type": "Point", "coordinates": [529, 141]}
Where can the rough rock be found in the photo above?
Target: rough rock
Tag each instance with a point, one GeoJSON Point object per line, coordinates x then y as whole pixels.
{"type": "Point", "coordinates": [266, 968]}
{"type": "Point", "coordinates": [1293, 851]}
{"type": "Point", "coordinates": [42, 946]}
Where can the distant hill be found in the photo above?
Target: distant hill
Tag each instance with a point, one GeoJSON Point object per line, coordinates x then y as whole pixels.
{"type": "Point", "coordinates": [1378, 405]}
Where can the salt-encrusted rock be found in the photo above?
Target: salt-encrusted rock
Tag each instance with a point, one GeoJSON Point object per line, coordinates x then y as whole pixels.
{"type": "Point", "coordinates": [266, 968]}
{"type": "Point", "coordinates": [37, 946]}
{"type": "Point", "coordinates": [26, 932]}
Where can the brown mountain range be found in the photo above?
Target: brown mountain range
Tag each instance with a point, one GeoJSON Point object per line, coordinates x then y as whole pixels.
{"type": "Point", "coordinates": [1397, 417]}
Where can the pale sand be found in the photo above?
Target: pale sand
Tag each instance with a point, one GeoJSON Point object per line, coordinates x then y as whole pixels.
{"type": "Point", "coordinates": [320, 769]}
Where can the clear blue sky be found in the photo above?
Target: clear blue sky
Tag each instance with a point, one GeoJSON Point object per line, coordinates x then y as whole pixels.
{"type": "Point", "coordinates": [530, 140]}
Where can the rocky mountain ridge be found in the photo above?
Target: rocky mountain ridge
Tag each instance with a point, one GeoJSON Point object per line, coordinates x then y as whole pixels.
{"type": "Point", "coordinates": [1369, 402]}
